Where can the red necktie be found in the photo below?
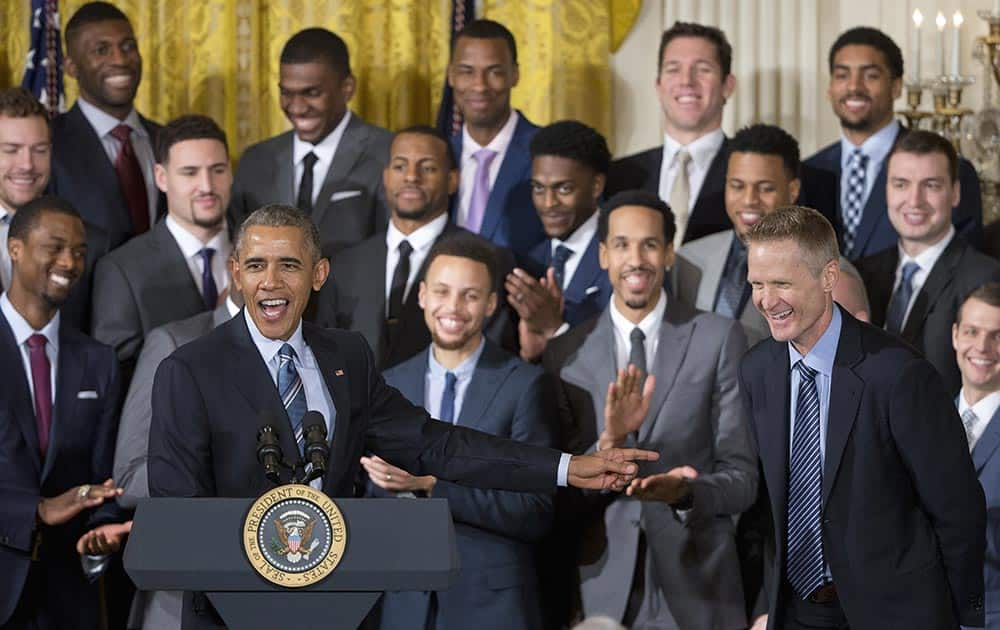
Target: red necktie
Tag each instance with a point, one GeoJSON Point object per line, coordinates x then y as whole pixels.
{"type": "Point", "coordinates": [42, 380]}
{"type": "Point", "coordinates": [131, 180]}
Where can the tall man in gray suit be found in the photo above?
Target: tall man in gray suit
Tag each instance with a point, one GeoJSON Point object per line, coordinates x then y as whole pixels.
{"type": "Point", "coordinates": [178, 268]}
{"type": "Point", "coordinates": [665, 557]}
{"type": "Point", "coordinates": [711, 272]}
{"type": "Point", "coordinates": [330, 164]}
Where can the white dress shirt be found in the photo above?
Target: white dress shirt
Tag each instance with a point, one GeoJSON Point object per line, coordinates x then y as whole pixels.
{"type": "Point", "coordinates": [578, 242]}
{"type": "Point", "coordinates": [421, 240]}
{"type": "Point", "coordinates": [984, 410]}
{"type": "Point", "coordinates": [702, 153]}
{"type": "Point", "coordinates": [103, 123]}
{"type": "Point", "coordinates": [324, 151]}
{"type": "Point", "coordinates": [650, 326]}
{"type": "Point", "coordinates": [877, 149]}
{"type": "Point", "coordinates": [6, 267]}
{"type": "Point", "coordinates": [926, 261]}
{"type": "Point", "coordinates": [500, 143]}
{"type": "Point", "coordinates": [434, 381]}
{"type": "Point", "coordinates": [190, 246]}
{"type": "Point", "coordinates": [22, 330]}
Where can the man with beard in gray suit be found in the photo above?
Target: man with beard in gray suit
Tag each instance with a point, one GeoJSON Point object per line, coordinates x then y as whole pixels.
{"type": "Point", "coordinates": [330, 164]}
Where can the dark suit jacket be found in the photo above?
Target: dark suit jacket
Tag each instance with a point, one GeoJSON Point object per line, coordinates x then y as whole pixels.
{"type": "Point", "coordinates": [353, 298]}
{"type": "Point", "coordinates": [81, 447]}
{"type": "Point", "coordinates": [958, 271]}
{"type": "Point", "coordinates": [495, 530]}
{"type": "Point", "coordinates": [589, 289]}
{"type": "Point", "coordinates": [986, 459]}
{"type": "Point", "coordinates": [511, 220]}
{"type": "Point", "coordinates": [202, 440]}
{"type": "Point", "coordinates": [642, 171]}
{"type": "Point", "coordinates": [349, 206]}
{"type": "Point", "coordinates": [83, 175]}
{"type": "Point", "coordinates": [903, 515]}
{"type": "Point", "coordinates": [875, 232]}
{"type": "Point", "coordinates": [143, 284]}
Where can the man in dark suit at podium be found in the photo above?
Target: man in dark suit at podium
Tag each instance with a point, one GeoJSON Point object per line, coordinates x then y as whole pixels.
{"type": "Point", "coordinates": [207, 395]}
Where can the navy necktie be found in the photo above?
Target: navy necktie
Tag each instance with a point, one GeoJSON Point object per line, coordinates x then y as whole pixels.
{"type": "Point", "coordinates": [901, 298]}
{"type": "Point", "coordinates": [732, 285]}
{"type": "Point", "coordinates": [448, 398]}
{"type": "Point", "coordinates": [209, 292]}
{"type": "Point", "coordinates": [305, 198]}
{"type": "Point", "coordinates": [559, 259]}
{"type": "Point", "coordinates": [637, 351]}
{"type": "Point", "coordinates": [805, 487]}
{"type": "Point", "coordinates": [293, 394]}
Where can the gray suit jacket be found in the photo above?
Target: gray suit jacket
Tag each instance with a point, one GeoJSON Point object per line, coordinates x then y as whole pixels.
{"type": "Point", "coordinates": [349, 207]}
{"type": "Point", "coordinates": [143, 284]}
{"type": "Point", "coordinates": [696, 418]}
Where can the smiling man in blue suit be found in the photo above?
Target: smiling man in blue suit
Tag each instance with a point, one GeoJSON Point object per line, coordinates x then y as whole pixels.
{"type": "Point", "coordinates": [494, 197]}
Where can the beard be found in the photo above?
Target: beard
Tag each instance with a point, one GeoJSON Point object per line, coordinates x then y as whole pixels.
{"type": "Point", "coordinates": [419, 214]}
{"type": "Point", "coordinates": [454, 344]}
{"type": "Point", "coordinates": [863, 124]}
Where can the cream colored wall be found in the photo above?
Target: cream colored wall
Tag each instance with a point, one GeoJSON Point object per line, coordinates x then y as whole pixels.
{"type": "Point", "coordinates": [779, 59]}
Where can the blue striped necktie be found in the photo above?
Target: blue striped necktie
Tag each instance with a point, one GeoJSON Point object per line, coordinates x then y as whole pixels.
{"type": "Point", "coordinates": [900, 299]}
{"type": "Point", "coordinates": [805, 485]}
{"type": "Point", "coordinates": [293, 395]}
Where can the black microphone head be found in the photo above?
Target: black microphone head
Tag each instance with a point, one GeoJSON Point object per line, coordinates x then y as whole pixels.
{"type": "Point", "coordinates": [313, 420]}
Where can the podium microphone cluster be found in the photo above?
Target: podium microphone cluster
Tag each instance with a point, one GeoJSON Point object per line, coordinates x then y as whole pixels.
{"type": "Point", "coordinates": [315, 451]}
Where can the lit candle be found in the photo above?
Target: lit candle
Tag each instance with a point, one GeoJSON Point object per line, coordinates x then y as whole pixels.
{"type": "Point", "coordinates": [956, 48]}
{"type": "Point", "coordinates": [941, 22]}
{"type": "Point", "coordinates": [918, 19]}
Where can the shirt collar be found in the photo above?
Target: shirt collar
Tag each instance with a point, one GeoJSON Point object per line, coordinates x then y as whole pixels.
{"type": "Point", "coordinates": [4, 213]}
{"type": "Point", "coordinates": [463, 370]}
{"type": "Point", "coordinates": [580, 239]}
{"type": "Point", "coordinates": [649, 325]}
{"type": "Point", "coordinates": [231, 307]}
{"type": "Point", "coordinates": [985, 409]}
{"type": "Point", "coordinates": [702, 150]}
{"type": "Point", "coordinates": [929, 257]}
{"type": "Point", "coordinates": [499, 142]}
{"type": "Point", "coordinates": [876, 147]}
{"type": "Point", "coordinates": [103, 122]}
{"type": "Point", "coordinates": [269, 347]}
{"type": "Point", "coordinates": [190, 244]}
{"type": "Point", "coordinates": [820, 357]}
{"type": "Point", "coordinates": [421, 238]}
{"type": "Point", "coordinates": [22, 329]}
{"type": "Point", "coordinates": [325, 148]}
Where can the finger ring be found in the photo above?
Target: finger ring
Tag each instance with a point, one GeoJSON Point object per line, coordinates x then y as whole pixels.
{"type": "Point", "coordinates": [388, 476]}
{"type": "Point", "coordinates": [519, 298]}
{"type": "Point", "coordinates": [83, 491]}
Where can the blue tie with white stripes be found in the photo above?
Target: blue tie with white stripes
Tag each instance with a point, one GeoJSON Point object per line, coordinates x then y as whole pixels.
{"type": "Point", "coordinates": [293, 395]}
{"type": "Point", "coordinates": [805, 485]}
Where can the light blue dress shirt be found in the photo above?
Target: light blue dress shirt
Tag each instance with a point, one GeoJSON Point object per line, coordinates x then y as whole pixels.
{"type": "Point", "coordinates": [877, 148]}
{"type": "Point", "coordinates": [434, 381]}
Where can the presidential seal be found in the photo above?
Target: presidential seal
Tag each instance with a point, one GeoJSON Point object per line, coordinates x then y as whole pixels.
{"type": "Point", "coordinates": [294, 535]}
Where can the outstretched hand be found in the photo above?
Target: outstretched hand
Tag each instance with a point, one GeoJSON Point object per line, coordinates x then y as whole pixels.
{"type": "Point", "coordinates": [626, 405]}
{"type": "Point", "coordinates": [103, 540]}
{"type": "Point", "coordinates": [611, 469]}
{"type": "Point", "coordinates": [61, 509]}
{"type": "Point", "coordinates": [669, 487]}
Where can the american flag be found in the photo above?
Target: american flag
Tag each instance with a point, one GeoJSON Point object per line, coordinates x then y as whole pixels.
{"type": "Point", "coordinates": [43, 67]}
{"type": "Point", "coordinates": [449, 119]}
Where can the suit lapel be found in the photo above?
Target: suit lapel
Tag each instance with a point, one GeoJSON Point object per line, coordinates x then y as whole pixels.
{"type": "Point", "coordinates": [172, 264]}
{"type": "Point", "coordinates": [89, 151]}
{"type": "Point", "coordinates": [937, 281]}
{"type": "Point", "coordinates": [349, 150]}
{"type": "Point", "coordinates": [987, 443]}
{"type": "Point", "coordinates": [675, 336]}
{"type": "Point", "coordinates": [513, 169]}
{"type": "Point", "coordinates": [333, 367]}
{"type": "Point", "coordinates": [712, 270]}
{"type": "Point", "coordinates": [284, 170]}
{"type": "Point", "coordinates": [715, 178]}
{"type": "Point", "coordinates": [18, 391]}
{"type": "Point", "coordinates": [587, 273]}
{"type": "Point", "coordinates": [772, 422]}
{"type": "Point", "coordinates": [652, 169]}
{"type": "Point", "coordinates": [596, 364]}
{"type": "Point", "coordinates": [409, 378]}
{"type": "Point", "coordinates": [486, 381]}
{"type": "Point", "coordinates": [69, 375]}
{"type": "Point", "coordinates": [845, 398]}
{"type": "Point", "coordinates": [874, 212]}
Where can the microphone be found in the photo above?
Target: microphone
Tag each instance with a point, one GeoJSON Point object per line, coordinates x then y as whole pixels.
{"type": "Point", "coordinates": [316, 450]}
{"type": "Point", "coordinates": [269, 448]}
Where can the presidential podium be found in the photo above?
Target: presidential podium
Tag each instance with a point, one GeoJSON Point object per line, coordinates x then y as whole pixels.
{"type": "Point", "coordinates": [197, 545]}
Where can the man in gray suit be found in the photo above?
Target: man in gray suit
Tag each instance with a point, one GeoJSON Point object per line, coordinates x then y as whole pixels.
{"type": "Point", "coordinates": [178, 268]}
{"type": "Point", "coordinates": [665, 557]}
{"type": "Point", "coordinates": [330, 164]}
{"type": "Point", "coordinates": [711, 272]}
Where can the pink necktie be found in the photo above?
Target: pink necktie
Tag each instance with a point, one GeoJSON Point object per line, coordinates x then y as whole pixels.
{"type": "Point", "coordinates": [480, 190]}
{"type": "Point", "coordinates": [41, 378]}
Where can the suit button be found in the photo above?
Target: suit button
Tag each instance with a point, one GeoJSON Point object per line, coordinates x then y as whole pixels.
{"type": "Point", "coordinates": [826, 521]}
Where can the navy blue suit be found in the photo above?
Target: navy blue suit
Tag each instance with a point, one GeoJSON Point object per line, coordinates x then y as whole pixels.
{"type": "Point", "coordinates": [495, 530]}
{"type": "Point", "coordinates": [903, 518]}
{"type": "Point", "coordinates": [510, 220]}
{"type": "Point", "coordinates": [81, 450]}
{"type": "Point", "coordinates": [986, 459]}
{"type": "Point", "coordinates": [875, 233]}
{"type": "Point", "coordinates": [589, 289]}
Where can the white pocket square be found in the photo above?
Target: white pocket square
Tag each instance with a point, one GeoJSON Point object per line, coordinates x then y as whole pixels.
{"type": "Point", "coordinates": [591, 290]}
{"type": "Point", "coordinates": [88, 394]}
{"type": "Point", "coordinates": [344, 194]}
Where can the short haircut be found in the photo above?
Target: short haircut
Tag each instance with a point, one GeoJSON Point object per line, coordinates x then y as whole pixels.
{"type": "Point", "coordinates": [723, 49]}
{"type": "Point", "coordinates": [636, 198]}
{"type": "Point", "coordinates": [27, 217]}
{"type": "Point", "coordinates": [488, 29]}
{"type": "Point", "coordinates": [427, 130]}
{"type": "Point", "coordinates": [806, 227]}
{"type": "Point", "coordinates": [988, 293]}
{"type": "Point", "coordinates": [318, 44]}
{"type": "Point", "coordinates": [281, 215]}
{"type": "Point", "coordinates": [187, 127]}
{"type": "Point", "coordinates": [768, 140]}
{"type": "Point", "coordinates": [463, 244]}
{"type": "Point", "coordinates": [922, 142]}
{"type": "Point", "coordinates": [91, 13]}
{"type": "Point", "coordinates": [17, 102]}
{"type": "Point", "coordinates": [573, 140]}
{"type": "Point", "coordinates": [868, 36]}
